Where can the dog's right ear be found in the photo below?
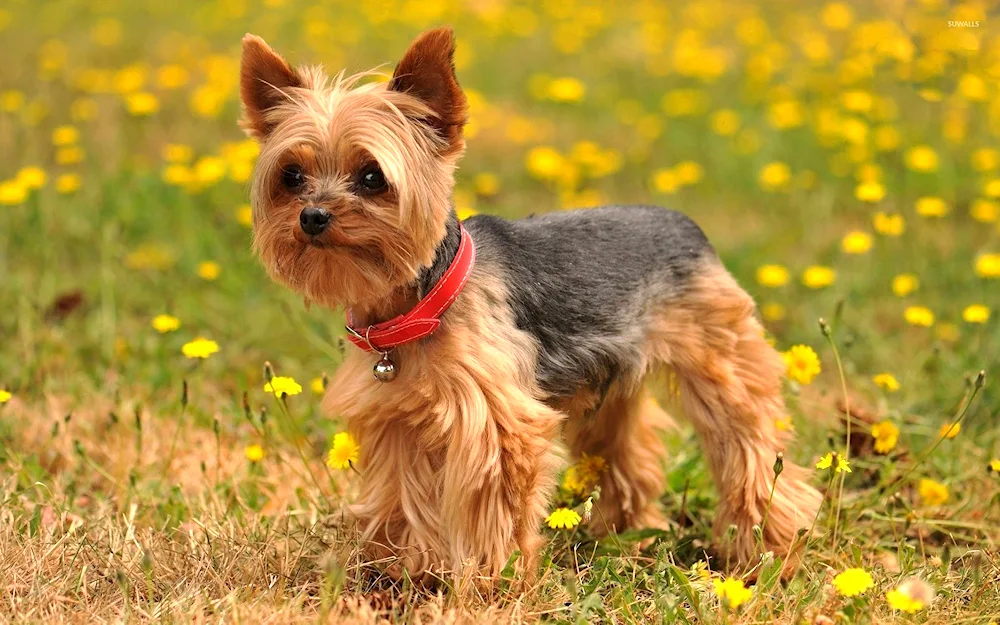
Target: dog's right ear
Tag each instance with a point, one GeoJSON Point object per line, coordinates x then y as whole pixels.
{"type": "Point", "coordinates": [264, 77]}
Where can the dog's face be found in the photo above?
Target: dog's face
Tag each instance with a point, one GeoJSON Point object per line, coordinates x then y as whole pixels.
{"type": "Point", "coordinates": [352, 189]}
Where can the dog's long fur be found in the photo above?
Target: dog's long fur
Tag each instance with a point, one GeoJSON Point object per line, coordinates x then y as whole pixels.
{"type": "Point", "coordinates": [547, 347]}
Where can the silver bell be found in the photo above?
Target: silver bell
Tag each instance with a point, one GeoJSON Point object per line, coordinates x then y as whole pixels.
{"type": "Point", "coordinates": [385, 369]}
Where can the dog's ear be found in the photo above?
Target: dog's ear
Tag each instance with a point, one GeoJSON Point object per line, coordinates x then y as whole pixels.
{"type": "Point", "coordinates": [264, 77]}
{"type": "Point", "coordinates": [427, 72]}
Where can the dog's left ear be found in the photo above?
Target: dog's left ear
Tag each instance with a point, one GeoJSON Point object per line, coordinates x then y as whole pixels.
{"type": "Point", "coordinates": [427, 72]}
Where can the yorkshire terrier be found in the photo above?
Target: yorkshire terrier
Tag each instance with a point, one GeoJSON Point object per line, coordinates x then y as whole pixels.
{"type": "Point", "coordinates": [496, 344]}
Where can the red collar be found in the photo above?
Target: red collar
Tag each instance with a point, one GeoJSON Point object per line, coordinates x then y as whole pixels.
{"type": "Point", "coordinates": [424, 318]}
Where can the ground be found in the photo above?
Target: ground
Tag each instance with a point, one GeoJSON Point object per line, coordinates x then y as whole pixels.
{"type": "Point", "coordinates": [840, 156]}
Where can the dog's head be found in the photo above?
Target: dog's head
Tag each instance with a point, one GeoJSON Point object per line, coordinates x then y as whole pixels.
{"type": "Point", "coordinates": [352, 189]}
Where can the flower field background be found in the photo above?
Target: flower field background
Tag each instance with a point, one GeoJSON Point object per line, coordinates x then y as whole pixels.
{"type": "Point", "coordinates": [841, 156]}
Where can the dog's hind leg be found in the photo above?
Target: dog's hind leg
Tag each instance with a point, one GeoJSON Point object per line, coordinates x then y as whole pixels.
{"type": "Point", "coordinates": [729, 380]}
{"type": "Point", "coordinates": [625, 431]}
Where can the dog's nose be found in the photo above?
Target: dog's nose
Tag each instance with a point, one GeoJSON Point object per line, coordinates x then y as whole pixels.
{"type": "Point", "coordinates": [314, 220]}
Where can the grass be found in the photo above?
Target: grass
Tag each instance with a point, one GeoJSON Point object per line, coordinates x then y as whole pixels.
{"type": "Point", "coordinates": [127, 492]}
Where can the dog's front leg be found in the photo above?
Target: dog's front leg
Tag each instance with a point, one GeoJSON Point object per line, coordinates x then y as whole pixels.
{"type": "Point", "coordinates": [499, 472]}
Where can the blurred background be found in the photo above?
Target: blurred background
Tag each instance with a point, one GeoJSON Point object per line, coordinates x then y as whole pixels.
{"type": "Point", "coordinates": [842, 157]}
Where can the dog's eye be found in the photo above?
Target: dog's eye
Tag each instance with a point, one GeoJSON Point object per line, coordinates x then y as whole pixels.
{"type": "Point", "coordinates": [292, 177]}
{"type": "Point", "coordinates": [371, 179]}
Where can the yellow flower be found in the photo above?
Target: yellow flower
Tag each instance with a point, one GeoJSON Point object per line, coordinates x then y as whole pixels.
{"type": "Point", "coordinates": [141, 104]}
{"type": "Point", "coordinates": [919, 316]}
{"type": "Point", "coordinates": [317, 386]}
{"type": "Point", "coordinates": [689, 172]}
{"type": "Point", "coordinates": [803, 363]}
{"type": "Point", "coordinates": [992, 188]}
{"type": "Point", "coordinates": [985, 159]}
{"type": "Point", "coordinates": [12, 192]}
{"type": "Point", "coordinates": [65, 135]}
{"type": "Point", "coordinates": [886, 435]}
{"type": "Point", "coordinates": [209, 169]}
{"type": "Point", "coordinates": [886, 138]}
{"type": "Point", "coordinates": [665, 181]}
{"type": "Point", "coordinates": [856, 242]}
{"type": "Point", "coordinates": [932, 493]}
{"type": "Point", "coordinates": [732, 592]}
{"type": "Point", "coordinates": [772, 275]}
{"type": "Point", "coordinates": [177, 153]}
{"type": "Point", "coordinates": [209, 270]}
{"type": "Point", "coordinates": [900, 601]}
{"type": "Point", "coordinates": [984, 211]}
{"type": "Point", "coordinates": [282, 386]}
{"type": "Point", "coordinates": [200, 348]}
{"type": "Point", "coordinates": [932, 207]}
{"type": "Point", "coordinates": [869, 191]}
{"type": "Point", "coordinates": [949, 430]}
{"type": "Point", "coordinates": [171, 76]}
{"type": "Point", "coordinates": [921, 158]}
{"type": "Point", "coordinates": [581, 478]}
{"type": "Point", "coordinates": [889, 224]}
{"type": "Point", "coordinates": [886, 381]}
{"type": "Point", "coordinates": [818, 277]}
{"type": "Point", "coordinates": [988, 265]}
{"type": "Point", "coordinates": [826, 461]}
{"type": "Point", "coordinates": [784, 425]}
{"type": "Point", "coordinates": [994, 465]}
{"type": "Point", "coordinates": [5, 396]}
{"type": "Point", "coordinates": [70, 155]}
{"type": "Point", "coordinates": [165, 323]}
{"type": "Point", "coordinates": [244, 215]}
{"type": "Point", "coordinates": [486, 184]}
{"type": "Point", "coordinates": [254, 453]}
{"type": "Point", "coordinates": [725, 122]}
{"type": "Point", "coordinates": [344, 451]}
{"type": "Point", "coordinates": [32, 177]}
{"type": "Point", "coordinates": [565, 89]}
{"type": "Point", "coordinates": [976, 313]}
{"type": "Point", "coordinates": [464, 212]}
{"type": "Point", "coordinates": [772, 311]}
{"type": "Point", "coordinates": [774, 176]}
{"type": "Point", "coordinates": [853, 582]}
{"type": "Point", "coordinates": [544, 162]}
{"type": "Point", "coordinates": [67, 183]}
{"type": "Point", "coordinates": [904, 284]}
{"type": "Point", "coordinates": [563, 518]}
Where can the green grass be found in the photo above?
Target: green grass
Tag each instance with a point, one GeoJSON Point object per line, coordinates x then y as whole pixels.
{"type": "Point", "coordinates": [122, 501]}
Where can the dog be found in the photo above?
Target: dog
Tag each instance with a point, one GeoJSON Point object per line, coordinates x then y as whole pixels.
{"type": "Point", "coordinates": [487, 349]}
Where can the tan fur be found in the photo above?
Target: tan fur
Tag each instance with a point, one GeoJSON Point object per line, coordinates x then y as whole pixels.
{"type": "Point", "coordinates": [459, 454]}
{"type": "Point", "coordinates": [729, 381]}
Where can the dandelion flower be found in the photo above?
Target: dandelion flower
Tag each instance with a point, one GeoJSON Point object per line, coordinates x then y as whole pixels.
{"type": "Point", "coordinates": [244, 215]}
{"type": "Point", "coordinates": [486, 184]}
{"type": "Point", "coordinates": [165, 323]}
{"type": "Point", "coordinates": [732, 592]}
{"type": "Point", "coordinates": [950, 430]}
{"type": "Point", "coordinates": [988, 266]}
{"type": "Point", "coordinates": [209, 270]}
{"type": "Point", "coordinates": [141, 104]}
{"type": "Point", "coordinates": [886, 381]}
{"type": "Point", "coordinates": [544, 162]}
{"type": "Point", "coordinates": [5, 396]}
{"type": "Point", "coordinates": [871, 191]}
{"type": "Point", "coordinates": [12, 193]}
{"type": "Point", "coordinates": [904, 284]}
{"type": "Point", "coordinates": [566, 89]}
{"type": "Point", "coordinates": [774, 175]}
{"type": "Point", "coordinates": [856, 242]}
{"type": "Point", "coordinates": [932, 207]}
{"type": "Point", "coordinates": [853, 582]}
{"type": "Point", "coordinates": [317, 386]}
{"type": "Point", "coordinates": [918, 316]}
{"type": "Point", "coordinates": [825, 462]}
{"type": "Point", "coordinates": [283, 386]}
{"type": "Point", "coordinates": [932, 493]}
{"type": "Point", "coordinates": [772, 276]}
{"type": "Point", "coordinates": [563, 518]}
{"type": "Point", "coordinates": [343, 452]}
{"type": "Point", "coordinates": [921, 158]}
{"type": "Point", "coordinates": [976, 313]}
{"type": "Point", "coordinates": [65, 135]}
{"type": "Point", "coordinates": [200, 348]}
{"type": "Point", "coordinates": [889, 224]}
{"type": "Point", "coordinates": [994, 465]}
{"type": "Point", "coordinates": [886, 435]}
{"type": "Point", "coordinates": [67, 183]}
{"type": "Point", "coordinates": [984, 211]}
{"type": "Point", "coordinates": [803, 363]}
{"type": "Point", "coordinates": [818, 277]}
{"type": "Point", "coordinates": [254, 453]}
{"type": "Point", "coordinates": [581, 478]}
{"type": "Point", "coordinates": [913, 595]}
